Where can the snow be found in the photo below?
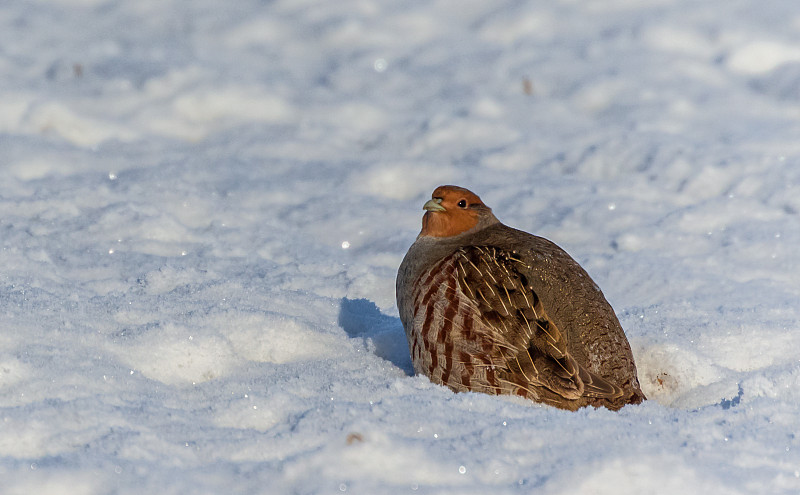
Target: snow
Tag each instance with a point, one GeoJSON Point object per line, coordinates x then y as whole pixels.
{"type": "Point", "coordinates": [203, 206]}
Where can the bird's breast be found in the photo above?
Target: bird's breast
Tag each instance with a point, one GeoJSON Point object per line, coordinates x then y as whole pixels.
{"type": "Point", "coordinates": [448, 341]}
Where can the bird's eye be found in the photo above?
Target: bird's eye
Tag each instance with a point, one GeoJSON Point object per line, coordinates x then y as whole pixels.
{"type": "Point", "coordinates": [462, 203]}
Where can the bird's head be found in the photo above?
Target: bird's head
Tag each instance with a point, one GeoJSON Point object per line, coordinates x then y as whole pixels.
{"type": "Point", "coordinates": [453, 210]}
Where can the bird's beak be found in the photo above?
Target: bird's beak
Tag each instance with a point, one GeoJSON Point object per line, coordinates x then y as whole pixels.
{"type": "Point", "coordinates": [434, 205]}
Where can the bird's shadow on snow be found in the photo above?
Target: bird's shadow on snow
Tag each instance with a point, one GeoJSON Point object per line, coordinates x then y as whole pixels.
{"type": "Point", "coordinates": [382, 334]}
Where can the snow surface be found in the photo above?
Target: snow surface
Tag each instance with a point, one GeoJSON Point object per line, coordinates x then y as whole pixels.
{"type": "Point", "coordinates": [203, 206]}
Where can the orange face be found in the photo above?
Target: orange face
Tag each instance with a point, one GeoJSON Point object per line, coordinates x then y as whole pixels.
{"type": "Point", "coordinates": [451, 211]}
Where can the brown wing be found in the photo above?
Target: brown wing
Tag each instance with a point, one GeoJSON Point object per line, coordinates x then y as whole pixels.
{"type": "Point", "coordinates": [533, 348]}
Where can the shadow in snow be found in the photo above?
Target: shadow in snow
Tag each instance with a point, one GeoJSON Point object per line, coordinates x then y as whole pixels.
{"type": "Point", "coordinates": [383, 335]}
{"type": "Point", "coordinates": [729, 403]}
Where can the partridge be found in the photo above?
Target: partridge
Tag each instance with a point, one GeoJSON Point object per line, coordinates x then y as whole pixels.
{"type": "Point", "coordinates": [488, 308]}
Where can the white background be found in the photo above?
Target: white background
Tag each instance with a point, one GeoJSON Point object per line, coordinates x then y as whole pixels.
{"type": "Point", "coordinates": [203, 206]}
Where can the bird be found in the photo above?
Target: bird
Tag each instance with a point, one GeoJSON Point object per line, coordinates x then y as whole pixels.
{"type": "Point", "coordinates": [489, 308]}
